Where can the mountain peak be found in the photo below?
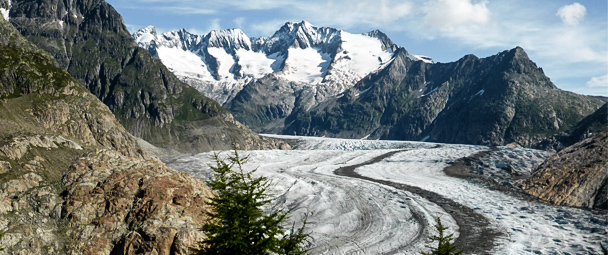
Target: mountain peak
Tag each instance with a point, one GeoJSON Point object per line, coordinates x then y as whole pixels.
{"type": "Point", "coordinates": [148, 29]}
{"type": "Point", "coordinates": [230, 38]}
{"type": "Point", "coordinates": [519, 52]}
{"type": "Point", "coordinates": [145, 35]}
{"type": "Point", "coordinates": [387, 43]}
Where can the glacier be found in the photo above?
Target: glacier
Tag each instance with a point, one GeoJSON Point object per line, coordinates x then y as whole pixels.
{"type": "Point", "coordinates": [350, 215]}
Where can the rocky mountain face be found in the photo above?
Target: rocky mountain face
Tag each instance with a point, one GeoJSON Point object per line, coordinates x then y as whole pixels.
{"type": "Point", "coordinates": [597, 122]}
{"type": "Point", "coordinates": [89, 39]}
{"type": "Point", "coordinates": [576, 176]}
{"type": "Point", "coordinates": [497, 100]}
{"type": "Point", "coordinates": [72, 179]}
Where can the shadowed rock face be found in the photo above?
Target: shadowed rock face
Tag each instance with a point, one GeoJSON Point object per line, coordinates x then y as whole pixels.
{"type": "Point", "coordinates": [597, 122]}
{"type": "Point", "coordinates": [576, 176]}
{"type": "Point", "coordinates": [89, 39]}
{"type": "Point", "coordinates": [72, 179]}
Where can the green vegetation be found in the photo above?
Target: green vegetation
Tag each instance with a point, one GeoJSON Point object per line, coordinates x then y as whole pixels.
{"type": "Point", "coordinates": [444, 246]}
{"type": "Point", "coordinates": [1, 236]}
{"type": "Point", "coordinates": [237, 223]}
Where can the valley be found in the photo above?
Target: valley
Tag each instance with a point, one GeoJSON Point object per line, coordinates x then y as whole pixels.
{"type": "Point", "coordinates": [361, 215]}
{"type": "Point", "coordinates": [107, 136]}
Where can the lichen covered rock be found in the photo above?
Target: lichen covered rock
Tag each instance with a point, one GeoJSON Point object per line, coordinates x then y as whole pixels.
{"type": "Point", "coordinates": [576, 176]}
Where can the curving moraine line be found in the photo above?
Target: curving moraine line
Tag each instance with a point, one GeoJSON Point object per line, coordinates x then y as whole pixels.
{"type": "Point", "coordinates": [476, 234]}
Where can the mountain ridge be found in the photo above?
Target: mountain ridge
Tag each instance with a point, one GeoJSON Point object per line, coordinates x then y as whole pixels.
{"type": "Point", "coordinates": [89, 39]}
{"type": "Point", "coordinates": [403, 96]}
{"type": "Point", "coordinates": [297, 52]}
{"type": "Point", "coordinates": [487, 101]}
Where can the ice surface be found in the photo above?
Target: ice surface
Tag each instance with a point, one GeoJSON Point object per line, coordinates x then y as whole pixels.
{"type": "Point", "coordinates": [225, 62]}
{"type": "Point", "coordinates": [254, 64]}
{"type": "Point", "coordinates": [306, 65]}
{"type": "Point", "coordinates": [361, 54]}
{"type": "Point", "coordinates": [355, 216]}
{"type": "Point", "coordinates": [184, 63]}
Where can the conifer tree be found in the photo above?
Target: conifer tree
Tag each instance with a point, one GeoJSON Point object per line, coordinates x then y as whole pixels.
{"type": "Point", "coordinates": [237, 223]}
{"type": "Point", "coordinates": [445, 246]}
{"type": "Point", "coordinates": [1, 236]}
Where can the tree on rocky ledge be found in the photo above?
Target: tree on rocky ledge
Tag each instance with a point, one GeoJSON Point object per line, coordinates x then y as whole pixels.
{"type": "Point", "coordinates": [237, 223]}
{"type": "Point", "coordinates": [444, 245]}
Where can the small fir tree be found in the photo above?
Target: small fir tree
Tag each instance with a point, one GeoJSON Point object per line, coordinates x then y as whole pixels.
{"type": "Point", "coordinates": [1, 236]}
{"type": "Point", "coordinates": [237, 223]}
{"type": "Point", "coordinates": [445, 246]}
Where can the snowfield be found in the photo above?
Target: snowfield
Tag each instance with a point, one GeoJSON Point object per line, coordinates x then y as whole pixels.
{"type": "Point", "coordinates": [356, 216]}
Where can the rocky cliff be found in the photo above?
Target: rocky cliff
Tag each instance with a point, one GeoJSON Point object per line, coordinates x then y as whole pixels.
{"type": "Point", "coordinates": [498, 100]}
{"type": "Point", "coordinates": [597, 122]}
{"type": "Point", "coordinates": [89, 39]}
{"type": "Point", "coordinates": [575, 176]}
{"type": "Point", "coordinates": [72, 179]}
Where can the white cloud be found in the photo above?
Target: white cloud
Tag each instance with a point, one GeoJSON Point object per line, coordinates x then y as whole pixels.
{"type": "Point", "coordinates": [238, 22]}
{"type": "Point", "coordinates": [447, 15]}
{"type": "Point", "coordinates": [214, 24]}
{"type": "Point", "coordinates": [601, 81]}
{"type": "Point", "coordinates": [572, 14]}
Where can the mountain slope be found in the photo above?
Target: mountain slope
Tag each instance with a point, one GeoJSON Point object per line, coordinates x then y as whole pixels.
{"type": "Point", "coordinates": [73, 180]}
{"type": "Point", "coordinates": [89, 39]}
{"type": "Point", "coordinates": [496, 100]}
{"type": "Point", "coordinates": [594, 123]}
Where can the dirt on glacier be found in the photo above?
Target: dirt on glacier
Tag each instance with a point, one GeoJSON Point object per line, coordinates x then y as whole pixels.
{"type": "Point", "coordinates": [476, 234]}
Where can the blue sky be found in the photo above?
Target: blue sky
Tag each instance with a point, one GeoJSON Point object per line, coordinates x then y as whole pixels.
{"type": "Point", "coordinates": [568, 39]}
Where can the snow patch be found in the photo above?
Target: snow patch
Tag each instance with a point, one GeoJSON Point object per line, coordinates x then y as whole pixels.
{"type": "Point", "coordinates": [424, 59]}
{"type": "Point", "coordinates": [430, 92]}
{"type": "Point", "coordinates": [5, 12]}
{"type": "Point", "coordinates": [225, 63]}
{"type": "Point", "coordinates": [306, 65]}
{"type": "Point", "coordinates": [363, 91]}
{"type": "Point", "coordinates": [362, 54]}
{"type": "Point", "coordinates": [184, 63]}
{"type": "Point", "coordinates": [254, 64]}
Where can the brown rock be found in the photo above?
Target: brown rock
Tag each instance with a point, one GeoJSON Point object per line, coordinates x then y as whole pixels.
{"type": "Point", "coordinates": [140, 205]}
{"type": "Point", "coordinates": [576, 176]}
{"type": "Point", "coordinates": [5, 167]}
{"type": "Point", "coordinates": [74, 181]}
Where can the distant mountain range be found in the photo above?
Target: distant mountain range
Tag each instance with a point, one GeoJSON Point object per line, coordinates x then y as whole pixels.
{"type": "Point", "coordinates": [307, 80]}
{"type": "Point", "coordinates": [220, 63]}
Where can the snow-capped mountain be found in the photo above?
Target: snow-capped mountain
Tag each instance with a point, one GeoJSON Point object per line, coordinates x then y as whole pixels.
{"type": "Point", "coordinates": [221, 63]}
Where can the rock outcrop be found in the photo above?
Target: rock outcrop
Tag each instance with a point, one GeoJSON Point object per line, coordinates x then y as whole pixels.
{"type": "Point", "coordinates": [576, 176]}
{"type": "Point", "coordinates": [72, 179]}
